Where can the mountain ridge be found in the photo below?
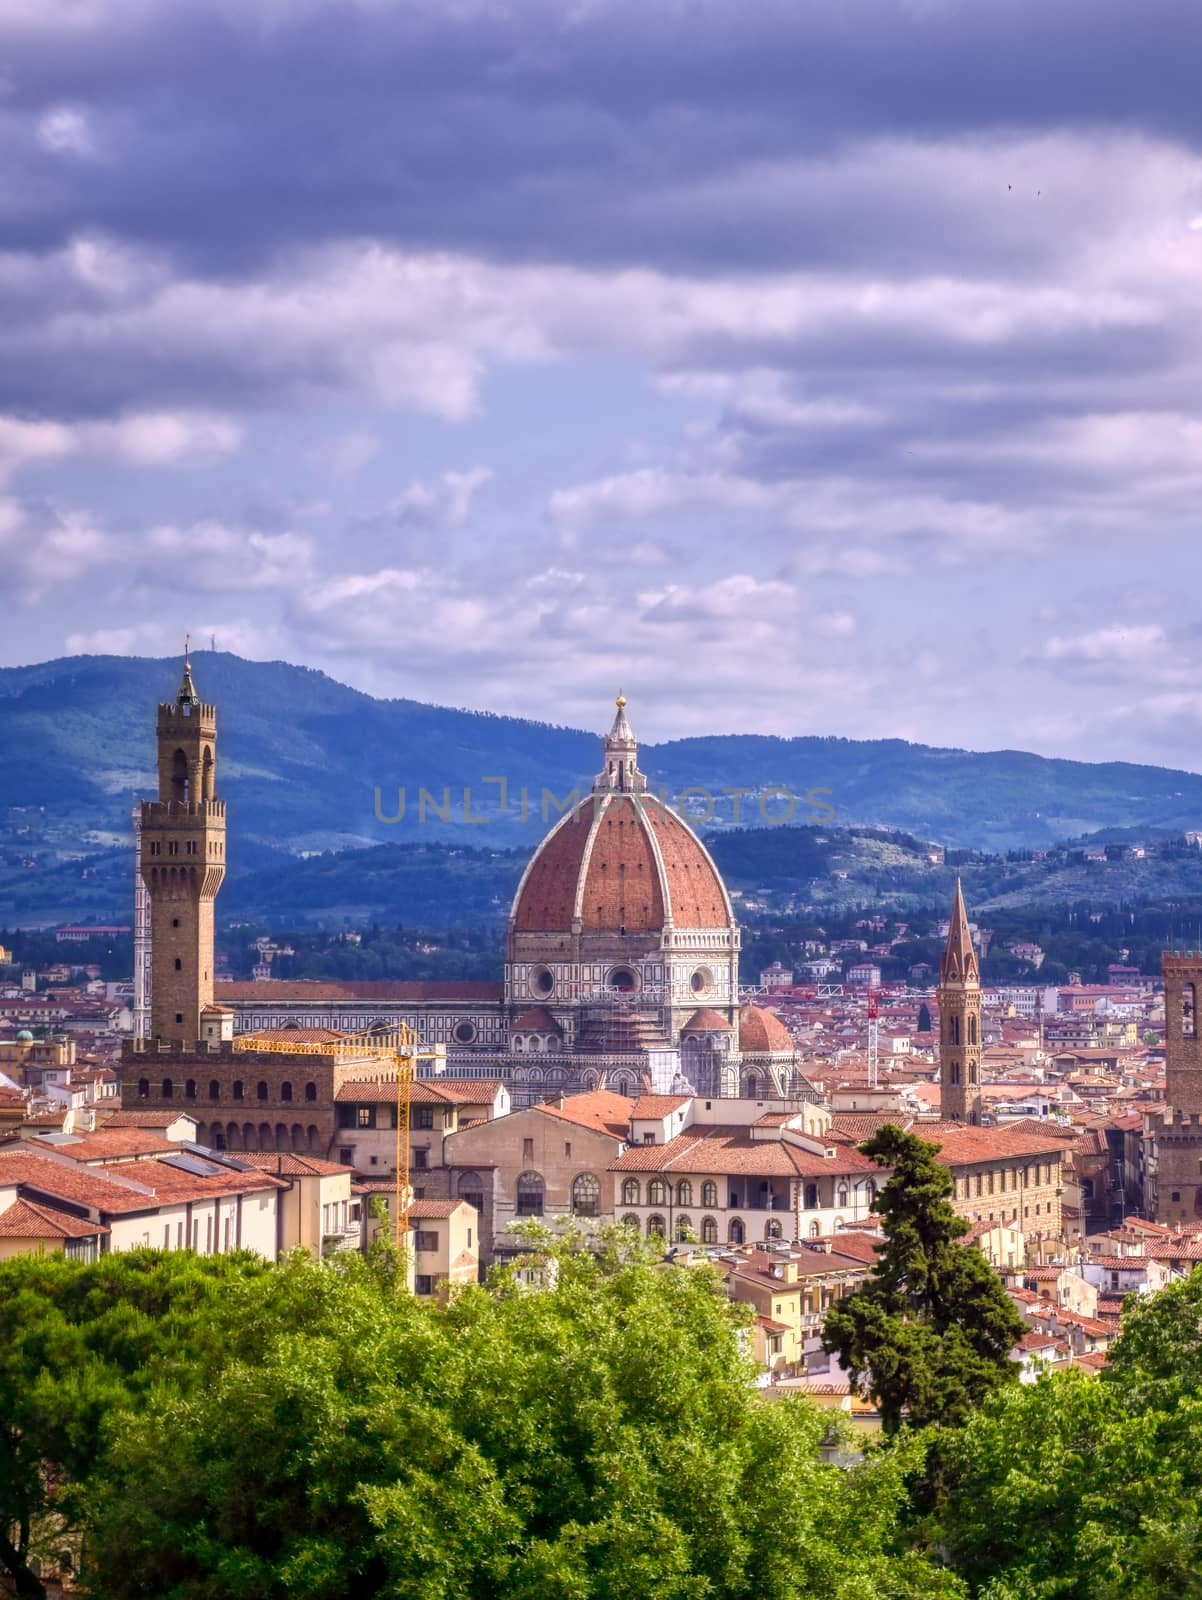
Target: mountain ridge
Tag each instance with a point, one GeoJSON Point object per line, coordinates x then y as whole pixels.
{"type": "Point", "coordinates": [310, 764]}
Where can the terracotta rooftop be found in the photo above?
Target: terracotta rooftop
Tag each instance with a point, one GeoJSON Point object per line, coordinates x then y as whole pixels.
{"type": "Point", "coordinates": [731, 1151]}
{"type": "Point", "coordinates": [284, 1164]}
{"type": "Point", "coordinates": [423, 1210]}
{"type": "Point", "coordinates": [105, 1145]}
{"type": "Point", "coordinates": [25, 1220]}
{"type": "Point", "coordinates": [600, 1109]}
{"type": "Point", "coordinates": [315, 990]}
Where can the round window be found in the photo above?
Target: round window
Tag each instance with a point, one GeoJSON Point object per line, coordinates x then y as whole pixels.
{"type": "Point", "coordinates": [702, 980]}
{"type": "Point", "coordinates": [623, 980]}
{"type": "Point", "coordinates": [465, 1032]}
{"type": "Point", "coordinates": [542, 980]}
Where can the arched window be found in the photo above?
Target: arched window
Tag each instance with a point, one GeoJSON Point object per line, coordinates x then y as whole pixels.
{"type": "Point", "coordinates": [684, 1229]}
{"type": "Point", "coordinates": [143, 1088]}
{"type": "Point", "coordinates": [285, 1090]}
{"type": "Point", "coordinates": [709, 1231]}
{"type": "Point", "coordinates": [179, 777]}
{"type": "Point", "coordinates": [815, 1230]}
{"type": "Point", "coordinates": [237, 1088]}
{"type": "Point", "coordinates": [586, 1195]}
{"type": "Point", "coordinates": [168, 1088]}
{"type": "Point", "coordinates": [630, 1191]}
{"type": "Point", "coordinates": [753, 1086]}
{"type": "Point", "coordinates": [310, 1091]}
{"type": "Point", "coordinates": [811, 1197]}
{"type": "Point", "coordinates": [709, 1193]}
{"type": "Point", "coordinates": [684, 1193]}
{"type": "Point", "coordinates": [530, 1192]}
{"type": "Point", "coordinates": [657, 1192]}
{"type": "Point", "coordinates": [214, 1089]}
{"type": "Point", "coordinates": [772, 1229]}
{"type": "Point", "coordinates": [471, 1190]}
{"type": "Point", "coordinates": [972, 1030]}
{"type": "Point", "coordinates": [656, 1228]}
{"type": "Point", "coordinates": [261, 1090]}
{"type": "Point", "coordinates": [265, 1140]}
{"type": "Point", "coordinates": [736, 1233]}
{"type": "Point", "coordinates": [1189, 1011]}
{"type": "Point", "coordinates": [841, 1195]}
{"type": "Point", "coordinates": [630, 1221]}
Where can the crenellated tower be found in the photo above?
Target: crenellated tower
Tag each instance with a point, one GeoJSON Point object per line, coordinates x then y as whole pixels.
{"type": "Point", "coordinates": [960, 1021]}
{"type": "Point", "coordinates": [183, 863]}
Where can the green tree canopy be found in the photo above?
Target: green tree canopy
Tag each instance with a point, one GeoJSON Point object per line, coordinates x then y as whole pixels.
{"type": "Point", "coordinates": [599, 1439]}
{"type": "Point", "coordinates": [931, 1331]}
{"type": "Point", "coordinates": [78, 1346]}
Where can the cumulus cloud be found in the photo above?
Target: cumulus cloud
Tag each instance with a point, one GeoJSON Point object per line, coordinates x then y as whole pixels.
{"type": "Point", "coordinates": [526, 350]}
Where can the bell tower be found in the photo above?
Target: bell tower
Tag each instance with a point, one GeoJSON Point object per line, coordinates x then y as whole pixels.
{"type": "Point", "coordinates": [960, 1021]}
{"type": "Point", "coordinates": [183, 863]}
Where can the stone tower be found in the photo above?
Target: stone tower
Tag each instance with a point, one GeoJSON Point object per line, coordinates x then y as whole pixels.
{"type": "Point", "coordinates": [183, 863]}
{"type": "Point", "coordinates": [1178, 1185]}
{"type": "Point", "coordinates": [960, 1021]}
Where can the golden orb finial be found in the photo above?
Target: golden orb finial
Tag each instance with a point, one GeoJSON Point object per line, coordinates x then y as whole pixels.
{"type": "Point", "coordinates": [621, 700]}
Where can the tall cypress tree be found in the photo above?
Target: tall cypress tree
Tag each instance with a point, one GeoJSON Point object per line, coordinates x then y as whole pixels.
{"type": "Point", "coordinates": [930, 1332]}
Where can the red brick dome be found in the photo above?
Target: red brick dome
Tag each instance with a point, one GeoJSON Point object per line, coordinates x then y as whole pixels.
{"type": "Point", "coordinates": [707, 1020]}
{"type": "Point", "coordinates": [620, 861]}
{"type": "Point", "coordinates": [762, 1032]}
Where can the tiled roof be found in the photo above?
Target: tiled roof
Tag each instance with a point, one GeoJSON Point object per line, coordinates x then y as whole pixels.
{"type": "Point", "coordinates": [106, 1144]}
{"type": "Point", "coordinates": [862, 1125]}
{"type": "Point", "coordinates": [130, 1187]}
{"type": "Point", "coordinates": [25, 1220]}
{"type": "Point", "coordinates": [466, 1091]}
{"type": "Point", "coordinates": [294, 1036]}
{"type": "Point", "coordinates": [421, 1210]}
{"type": "Point", "coordinates": [961, 1144]}
{"type": "Point", "coordinates": [600, 1109]}
{"type": "Point", "coordinates": [286, 1165]}
{"type": "Point", "coordinates": [653, 1107]}
{"type": "Point", "coordinates": [143, 1119]}
{"type": "Point", "coordinates": [728, 1152]}
{"type": "Point", "coordinates": [316, 990]}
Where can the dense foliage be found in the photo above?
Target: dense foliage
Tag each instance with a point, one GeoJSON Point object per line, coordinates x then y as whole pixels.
{"type": "Point", "coordinates": [930, 1332]}
{"type": "Point", "coordinates": [313, 1431]}
{"type": "Point", "coordinates": [1076, 1488]}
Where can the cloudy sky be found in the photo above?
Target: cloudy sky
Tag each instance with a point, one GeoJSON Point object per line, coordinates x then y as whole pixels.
{"type": "Point", "coordinates": [828, 367]}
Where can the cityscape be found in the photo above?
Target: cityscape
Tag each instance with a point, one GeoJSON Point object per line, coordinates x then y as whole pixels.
{"type": "Point", "coordinates": [600, 819]}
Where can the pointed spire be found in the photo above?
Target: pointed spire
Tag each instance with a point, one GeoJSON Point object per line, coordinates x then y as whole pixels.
{"type": "Point", "coordinates": [959, 958]}
{"type": "Point", "coordinates": [621, 771]}
{"type": "Point", "coordinates": [187, 695]}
